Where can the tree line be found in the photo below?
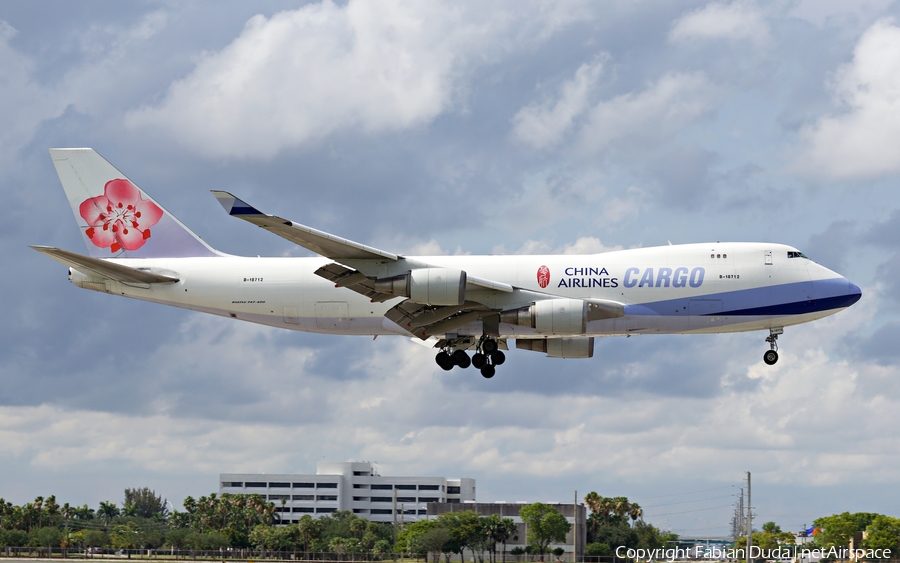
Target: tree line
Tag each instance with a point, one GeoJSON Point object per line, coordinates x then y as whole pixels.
{"type": "Point", "coordinates": [870, 531]}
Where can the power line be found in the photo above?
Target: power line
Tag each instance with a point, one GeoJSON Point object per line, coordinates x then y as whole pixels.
{"type": "Point", "coordinates": [689, 511]}
{"type": "Point", "coordinates": [687, 493]}
{"type": "Point", "coordinates": [688, 501]}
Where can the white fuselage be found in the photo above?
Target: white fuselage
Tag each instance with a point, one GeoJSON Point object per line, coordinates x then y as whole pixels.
{"type": "Point", "coordinates": [695, 288]}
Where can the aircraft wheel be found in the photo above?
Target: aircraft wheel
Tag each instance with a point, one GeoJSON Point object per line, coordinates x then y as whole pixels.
{"type": "Point", "coordinates": [498, 357]}
{"type": "Point", "coordinates": [443, 359]}
{"type": "Point", "coordinates": [479, 360]}
{"type": "Point", "coordinates": [489, 345]}
{"type": "Point", "coordinates": [461, 359]}
{"type": "Point", "coordinates": [770, 357]}
{"type": "Point", "coordinates": [488, 371]}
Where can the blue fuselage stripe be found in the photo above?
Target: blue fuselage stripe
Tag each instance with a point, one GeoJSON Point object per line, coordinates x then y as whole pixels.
{"type": "Point", "coordinates": [789, 299]}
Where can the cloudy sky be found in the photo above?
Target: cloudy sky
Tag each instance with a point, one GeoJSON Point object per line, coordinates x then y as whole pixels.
{"type": "Point", "coordinates": [460, 127]}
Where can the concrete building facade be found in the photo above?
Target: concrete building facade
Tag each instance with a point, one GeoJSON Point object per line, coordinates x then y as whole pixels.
{"type": "Point", "coordinates": [575, 514]}
{"type": "Point", "coordinates": [354, 486]}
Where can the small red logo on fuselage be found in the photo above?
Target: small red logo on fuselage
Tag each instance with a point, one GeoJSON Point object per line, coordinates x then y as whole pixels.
{"type": "Point", "coordinates": [543, 276]}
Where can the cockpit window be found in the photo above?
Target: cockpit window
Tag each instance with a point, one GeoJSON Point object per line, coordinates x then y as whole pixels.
{"type": "Point", "coordinates": [796, 254]}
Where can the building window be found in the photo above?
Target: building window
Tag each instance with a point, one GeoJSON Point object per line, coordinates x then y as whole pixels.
{"type": "Point", "coordinates": [361, 473]}
{"type": "Point", "coordinates": [405, 487]}
{"type": "Point", "coordinates": [232, 484]}
{"type": "Point", "coordinates": [325, 510]}
{"type": "Point", "coordinates": [360, 486]}
{"type": "Point", "coordinates": [280, 485]}
{"type": "Point", "coordinates": [361, 499]}
{"type": "Point", "coordinates": [383, 487]}
{"type": "Point", "coordinates": [302, 509]}
{"type": "Point", "coordinates": [279, 497]}
{"type": "Point", "coordinates": [326, 497]}
{"type": "Point", "coordinates": [452, 501]}
{"type": "Point", "coordinates": [422, 512]}
{"type": "Point", "coordinates": [382, 499]}
{"type": "Point", "coordinates": [256, 484]}
{"type": "Point", "coordinates": [282, 509]}
{"type": "Point", "coordinates": [428, 487]}
{"type": "Point", "coordinates": [406, 499]}
{"type": "Point", "coordinates": [304, 497]}
{"type": "Point", "coordinates": [326, 485]}
{"type": "Point", "coordinates": [360, 511]}
{"type": "Point", "coordinates": [428, 499]}
{"type": "Point", "coordinates": [452, 490]}
{"type": "Point", "coordinates": [303, 485]}
{"type": "Point", "coordinates": [407, 511]}
{"type": "Point", "coordinates": [381, 511]}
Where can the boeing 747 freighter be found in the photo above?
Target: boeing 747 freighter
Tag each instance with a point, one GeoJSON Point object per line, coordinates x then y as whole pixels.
{"type": "Point", "coordinates": [555, 304]}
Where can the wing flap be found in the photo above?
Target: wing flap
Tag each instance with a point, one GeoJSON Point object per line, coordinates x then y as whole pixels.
{"type": "Point", "coordinates": [103, 268]}
{"type": "Point", "coordinates": [320, 242]}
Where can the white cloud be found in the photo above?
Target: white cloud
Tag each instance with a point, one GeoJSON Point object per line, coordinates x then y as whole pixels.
{"type": "Point", "coordinates": [543, 125]}
{"type": "Point", "coordinates": [649, 117]}
{"type": "Point", "coordinates": [24, 102]}
{"type": "Point", "coordinates": [736, 21]}
{"type": "Point", "coordinates": [301, 75]}
{"type": "Point", "coordinates": [862, 141]}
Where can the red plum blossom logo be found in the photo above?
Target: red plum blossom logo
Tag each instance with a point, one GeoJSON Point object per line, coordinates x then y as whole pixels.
{"type": "Point", "coordinates": [119, 218]}
{"type": "Point", "coordinates": [543, 276]}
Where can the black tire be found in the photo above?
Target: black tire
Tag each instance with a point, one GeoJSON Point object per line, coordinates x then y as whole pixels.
{"type": "Point", "coordinates": [770, 357]}
{"type": "Point", "coordinates": [478, 360]}
{"type": "Point", "coordinates": [488, 371]}
{"type": "Point", "coordinates": [489, 346]}
{"type": "Point", "coordinates": [461, 359]}
{"type": "Point", "coordinates": [443, 359]}
{"type": "Point", "coordinates": [498, 357]}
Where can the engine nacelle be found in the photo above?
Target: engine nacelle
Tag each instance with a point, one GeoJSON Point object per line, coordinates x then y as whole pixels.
{"type": "Point", "coordinates": [559, 347]}
{"type": "Point", "coordinates": [551, 316]}
{"type": "Point", "coordinates": [429, 286]}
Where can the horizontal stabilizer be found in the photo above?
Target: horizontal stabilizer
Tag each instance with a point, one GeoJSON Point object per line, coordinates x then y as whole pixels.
{"type": "Point", "coordinates": [320, 242]}
{"type": "Point", "coordinates": [103, 268]}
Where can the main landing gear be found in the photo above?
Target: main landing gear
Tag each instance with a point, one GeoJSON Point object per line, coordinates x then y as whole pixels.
{"type": "Point", "coordinates": [486, 358]}
{"type": "Point", "coordinates": [771, 356]}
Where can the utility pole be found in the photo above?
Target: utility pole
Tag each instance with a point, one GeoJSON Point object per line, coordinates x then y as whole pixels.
{"type": "Point", "coordinates": [575, 529]}
{"type": "Point", "coordinates": [749, 520]}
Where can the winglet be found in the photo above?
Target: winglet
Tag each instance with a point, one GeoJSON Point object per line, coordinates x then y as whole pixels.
{"type": "Point", "coordinates": [234, 205]}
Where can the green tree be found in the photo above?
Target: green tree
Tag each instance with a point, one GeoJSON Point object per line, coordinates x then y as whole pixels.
{"type": "Point", "coordinates": [883, 533]}
{"type": "Point", "coordinates": [308, 529]}
{"type": "Point", "coordinates": [144, 503]}
{"type": "Point", "coordinates": [497, 530]}
{"type": "Point", "coordinates": [465, 530]}
{"type": "Point", "coordinates": [838, 529]}
{"type": "Point", "coordinates": [545, 525]}
{"type": "Point", "coordinates": [107, 511]}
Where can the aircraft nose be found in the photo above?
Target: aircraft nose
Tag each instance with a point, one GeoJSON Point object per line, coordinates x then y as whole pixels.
{"type": "Point", "coordinates": [853, 292]}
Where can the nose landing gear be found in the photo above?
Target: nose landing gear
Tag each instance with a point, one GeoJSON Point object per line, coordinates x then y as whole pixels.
{"type": "Point", "coordinates": [771, 355]}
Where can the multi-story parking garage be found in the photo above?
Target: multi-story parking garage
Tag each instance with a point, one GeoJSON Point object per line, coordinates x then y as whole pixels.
{"type": "Point", "coordinates": [353, 486]}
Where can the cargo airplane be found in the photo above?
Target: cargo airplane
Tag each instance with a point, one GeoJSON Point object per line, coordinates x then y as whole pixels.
{"type": "Point", "coordinates": [553, 304]}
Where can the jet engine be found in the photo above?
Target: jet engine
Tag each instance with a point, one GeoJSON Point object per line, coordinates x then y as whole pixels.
{"type": "Point", "coordinates": [429, 286]}
{"type": "Point", "coordinates": [559, 347]}
{"type": "Point", "coordinates": [551, 316]}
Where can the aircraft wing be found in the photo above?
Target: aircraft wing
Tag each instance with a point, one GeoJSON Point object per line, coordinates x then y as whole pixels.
{"type": "Point", "coordinates": [320, 242]}
{"type": "Point", "coordinates": [350, 271]}
{"type": "Point", "coordinates": [103, 268]}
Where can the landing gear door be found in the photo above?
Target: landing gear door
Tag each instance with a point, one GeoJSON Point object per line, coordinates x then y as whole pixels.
{"type": "Point", "coordinates": [768, 257]}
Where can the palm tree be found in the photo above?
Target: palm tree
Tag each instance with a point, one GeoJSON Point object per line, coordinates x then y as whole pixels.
{"type": "Point", "coordinates": [107, 511]}
{"type": "Point", "coordinates": [636, 512]}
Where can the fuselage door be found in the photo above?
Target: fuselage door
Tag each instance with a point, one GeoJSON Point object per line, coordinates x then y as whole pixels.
{"type": "Point", "coordinates": [768, 257]}
{"type": "Point", "coordinates": [332, 315]}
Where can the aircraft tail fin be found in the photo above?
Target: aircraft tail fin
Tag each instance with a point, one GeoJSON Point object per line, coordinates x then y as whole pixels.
{"type": "Point", "coordinates": [116, 218]}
